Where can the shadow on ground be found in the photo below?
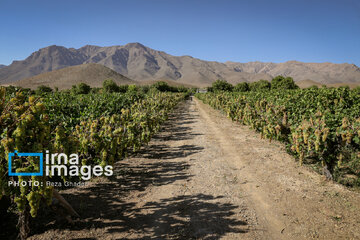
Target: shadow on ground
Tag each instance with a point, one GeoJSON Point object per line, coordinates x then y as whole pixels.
{"type": "Point", "coordinates": [183, 217]}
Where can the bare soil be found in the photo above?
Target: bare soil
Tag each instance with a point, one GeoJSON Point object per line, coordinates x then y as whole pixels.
{"type": "Point", "coordinates": [206, 177]}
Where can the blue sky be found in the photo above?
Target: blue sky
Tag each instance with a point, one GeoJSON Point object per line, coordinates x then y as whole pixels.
{"type": "Point", "coordinates": [222, 30]}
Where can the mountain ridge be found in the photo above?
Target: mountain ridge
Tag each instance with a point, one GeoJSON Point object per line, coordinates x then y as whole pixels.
{"type": "Point", "coordinates": [142, 63]}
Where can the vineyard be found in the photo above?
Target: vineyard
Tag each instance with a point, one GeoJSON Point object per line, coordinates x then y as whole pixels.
{"type": "Point", "coordinates": [318, 126]}
{"type": "Point", "coordinates": [151, 163]}
{"type": "Point", "coordinates": [180, 120]}
{"type": "Point", "coordinates": [101, 128]}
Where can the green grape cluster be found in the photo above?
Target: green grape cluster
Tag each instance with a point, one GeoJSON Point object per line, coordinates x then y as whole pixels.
{"type": "Point", "coordinates": [25, 128]}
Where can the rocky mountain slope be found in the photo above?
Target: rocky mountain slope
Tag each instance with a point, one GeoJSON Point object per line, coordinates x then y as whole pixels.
{"type": "Point", "coordinates": [319, 72]}
{"type": "Point", "coordinates": [141, 63]}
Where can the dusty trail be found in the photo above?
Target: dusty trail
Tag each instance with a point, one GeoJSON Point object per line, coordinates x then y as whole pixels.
{"type": "Point", "coordinates": [205, 177]}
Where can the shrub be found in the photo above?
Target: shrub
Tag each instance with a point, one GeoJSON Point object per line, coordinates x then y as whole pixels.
{"type": "Point", "coordinates": [43, 89]}
{"type": "Point", "coordinates": [110, 86]}
{"type": "Point", "coordinates": [162, 87]}
{"type": "Point", "coordinates": [260, 85]}
{"type": "Point", "coordinates": [313, 87]}
{"type": "Point", "coordinates": [241, 87]}
{"type": "Point", "coordinates": [81, 88]}
{"type": "Point", "coordinates": [95, 90]}
{"type": "Point", "coordinates": [145, 89]}
{"type": "Point", "coordinates": [222, 85]}
{"type": "Point", "coordinates": [123, 88]}
{"type": "Point", "coordinates": [281, 82]}
{"type": "Point", "coordinates": [210, 89]}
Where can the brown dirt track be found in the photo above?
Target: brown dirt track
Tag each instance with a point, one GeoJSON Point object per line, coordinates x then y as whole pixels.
{"type": "Point", "coordinates": [205, 177]}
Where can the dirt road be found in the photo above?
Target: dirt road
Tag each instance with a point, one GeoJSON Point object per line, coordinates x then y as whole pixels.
{"type": "Point", "coordinates": [205, 177]}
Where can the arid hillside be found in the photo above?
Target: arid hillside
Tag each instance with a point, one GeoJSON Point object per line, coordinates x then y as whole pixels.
{"type": "Point", "coordinates": [309, 83]}
{"type": "Point", "coordinates": [91, 74]}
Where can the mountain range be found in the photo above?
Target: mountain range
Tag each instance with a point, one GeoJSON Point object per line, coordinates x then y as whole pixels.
{"type": "Point", "coordinates": [138, 62]}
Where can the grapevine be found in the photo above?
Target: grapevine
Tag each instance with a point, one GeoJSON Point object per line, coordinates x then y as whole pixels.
{"type": "Point", "coordinates": [100, 128]}
{"type": "Point", "coordinates": [317, 125]}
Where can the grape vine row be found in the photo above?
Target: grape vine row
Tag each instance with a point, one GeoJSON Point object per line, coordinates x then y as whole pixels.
{"type": "Point", "coordinates": [100, 128]}
{"type": "Point", "coordinates": [320, 126]}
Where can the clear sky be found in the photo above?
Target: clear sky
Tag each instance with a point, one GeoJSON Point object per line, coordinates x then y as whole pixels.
{"type": "Point", "coordinates": [221, 30]}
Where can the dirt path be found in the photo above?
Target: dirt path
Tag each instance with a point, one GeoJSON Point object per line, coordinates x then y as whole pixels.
{"type": "Point", "coordinates": [205, 177]}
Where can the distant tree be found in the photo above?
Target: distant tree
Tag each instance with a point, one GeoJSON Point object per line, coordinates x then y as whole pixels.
{"type": "Point", "coordinates": [313, 87]}
{"type": "Point", "coordinates": [81, 88]}
{"type": "Point", "coordinates": [162, 86]}
{"type": "Point", "coordinates": [260, 85]}
{"type": "Point", "coordinates": [182, 89]}
{"type": "Point", "coordinates": [43, 89]}
{"type": "Point", "coordinates": [95, 90]}
{"type": "Point", "coordinates": [123, 88]}
{"type": "Point", "coordinates": [165, 87]}
{"type": "Point", "coordinates": [110, 86]}
{"type": "Point", "coordinates": [145, 89]}
{"type": "Point", "coordinates": [281, 82]}
{"type": "Point", "coordinates": [210, 89]}
{"type": "Point", "coordinates": [241, 87]}
{"type": "Point", "coordinates": [222, 85]}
